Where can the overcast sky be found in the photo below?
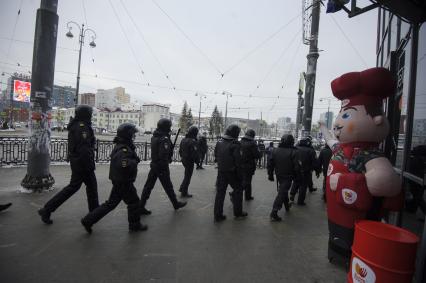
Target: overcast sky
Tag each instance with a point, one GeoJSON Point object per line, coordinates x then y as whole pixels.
{"type": "Point", "coordinates": [182, 47]}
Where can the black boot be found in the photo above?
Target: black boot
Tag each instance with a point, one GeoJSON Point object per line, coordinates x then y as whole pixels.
{"type": "Point", "coordinates": [287, 205]}
{"type": "Point", "coordinates": [86, 226]}
{"type": "Point", "coordinates": [45, 216]}
{"type": "Point", "coordinates": [219, 218]}
{"type": "Point", "coordinates": [241, 215]}
{"type": "Point", "coordinates": [179, 204]}
{"type": "Point", "coordinates": [137, 227]}
{"type": "Point", "coordinates": [185, 195]}
{"type": "Point", "coordinates": [274, 216]}
{"type": "Point", "coordinates": [5, 206]}
{"type": "Point", "coordinates": [142, 209]}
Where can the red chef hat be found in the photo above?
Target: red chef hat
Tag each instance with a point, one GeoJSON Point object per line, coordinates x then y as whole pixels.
{"type": "Point", "coordinates": [361, 88]}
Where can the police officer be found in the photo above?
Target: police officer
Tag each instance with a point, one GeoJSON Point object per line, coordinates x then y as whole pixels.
{"type": "Point", "coordinates": [306, 158]}
{"type": "Point", "coordinates": [249, 154]}
{"type": "Point", "coordinates": [310, 182]}
{"type": "Point", "coordinates": [189, 155]}
{"type": "Point", "coordinates": [261, 146]}
{"type": "Point", "coordinates": [202, 150]}
{"type": "Point", "coordinates": [284, 162]}
{"type": "Point", "coordinates": [81, 153]}
{"type": "Point", "coordinates": [122, 172]}
{"type": "Point", "coordinates": [228, 157]}
{"type": "Point", "coordinates": [161, 156]}
{"type": "Point", "coordinates": [323, 161]}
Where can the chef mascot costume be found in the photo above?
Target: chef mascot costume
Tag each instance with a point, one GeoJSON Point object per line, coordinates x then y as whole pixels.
{"type": "Point", "coordinates": [361, 182]}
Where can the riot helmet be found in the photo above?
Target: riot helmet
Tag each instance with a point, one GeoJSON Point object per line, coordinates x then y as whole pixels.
{"type": "Point", "coordinates": [232, 131]}
{"type": "Point", "coordinates": [83, 113]}
{"type": "Point", "coordinates": [164, 125]}
{"type": "Point", "coordinates": [287, 140]}
{"type": "Point", "coordinates": [127, 131]}
{"type": "Point", "coordinates": [192, 132]}
{"type": "Point", "coordinates": [250, 134]}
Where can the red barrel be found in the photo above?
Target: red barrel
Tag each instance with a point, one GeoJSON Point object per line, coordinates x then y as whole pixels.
{"type": "Point", "coordinates": [382, 253]}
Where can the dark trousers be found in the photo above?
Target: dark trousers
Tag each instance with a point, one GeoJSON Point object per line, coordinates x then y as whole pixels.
{"type": "Point", "coordinates": [120, 191]}
{"type": "Point", "coordinates": [246, 177]}
{"type": "Point", "coordinates": [77, 179]}
{"type": "Point", "coordinates": [282, 196]}
{"type": "Point", "coordinates": [223, 180]}
{"type": "Point", "coordinates": [164, 176]}
{"type": "Point", "coordinates": [189, 169]}
{"type": "Point", "coordinates": [300, 185]}
{"type": "Point", "coordinates": [310, 182]}
{"type": "Point", "coordinates": [201, 160]}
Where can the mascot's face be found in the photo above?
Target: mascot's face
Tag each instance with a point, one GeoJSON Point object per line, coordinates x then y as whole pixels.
{"type": "Point", "coordinates": [353, 124]}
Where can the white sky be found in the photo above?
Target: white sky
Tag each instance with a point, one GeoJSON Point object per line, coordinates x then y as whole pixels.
{"type": "Point", "coordinates": [225, 31]}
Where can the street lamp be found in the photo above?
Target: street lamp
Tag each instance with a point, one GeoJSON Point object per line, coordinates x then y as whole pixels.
{"type": "Point", "coordinates": [226, 109]}
{"type": "Point", "coordinates": [328, 110]}
{"type": "Point", "coordinates": [199, 111]}
{"type": "Point", "coordinates": [81, 41]}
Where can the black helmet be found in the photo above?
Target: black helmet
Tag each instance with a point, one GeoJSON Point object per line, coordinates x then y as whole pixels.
{"type": "Point", "coordinates": [250, 134]}
{"type": "Point", "coordinates": [126, 131]}
{"type": "Point", "coordinates": [192, 132]}
{"type": "Point", "coordinates": [83, 113]}
{"type": "Point", "coordinates": [287, 140]}
{"type": "Point", "coordinates": [164, 124]}
{"type": "Point", "coordinates": [305, 142]}
{"type": "Point", "coordinates": [233, 131]}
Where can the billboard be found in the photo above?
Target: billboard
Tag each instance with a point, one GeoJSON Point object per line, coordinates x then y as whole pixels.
{"type": "Point", "coordinates": [21, 91]}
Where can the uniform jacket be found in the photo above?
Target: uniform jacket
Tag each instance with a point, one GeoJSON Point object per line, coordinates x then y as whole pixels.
{"type": "Point", "coordinates": [284, 162]}
{"type": "Point", "coordinates": [307, 158]}
{"type": "Point", "coordinates": [249, 154]}
{"type": "Point", "coordinates": [202, 145]}
{"type": "Point", "coordinates": [161, 150]}
{"type": "Point", "coordinates": [227, 154]}
{"type": "Point", "coordinates": [124, 163]}
{"type": "Point", "coordinates": [81, 146]}
{"type": "Point", "coordinates": [324, 159]}
{"type": "Point", "coordinates": [188, 150]}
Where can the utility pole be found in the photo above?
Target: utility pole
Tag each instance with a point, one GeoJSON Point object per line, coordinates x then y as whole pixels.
{"type": "Point", "coordinates": [300, 103]}
{"type": "Point", "coordinates": [38, 176]}
{"type": "Point", "coordinates": [311, 67]}
{"type": "Point", "coordinates": [199, 111]}
{"type": "Point", "coordinates": [226, 108]}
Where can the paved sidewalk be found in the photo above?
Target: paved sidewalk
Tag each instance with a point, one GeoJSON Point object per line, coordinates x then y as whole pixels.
{"type": "Point", "coordinates": [182, 246]}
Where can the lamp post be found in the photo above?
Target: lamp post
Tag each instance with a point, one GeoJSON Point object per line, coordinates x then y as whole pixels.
{"type": "Point", "coordinates": [226, 108]}
{"type": "Point", "coordinates": [328, 110]}
{"type": "Point", "coordinates": [81, 41]}
{"type": "Point", "coordinates": [199, 111]}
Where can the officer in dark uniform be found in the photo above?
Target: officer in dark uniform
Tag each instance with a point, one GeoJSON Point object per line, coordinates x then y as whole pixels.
{"type": "Point", "coordinates": [249, 154]}
{"type": "Point", "coordinates": [202, 150]}
{"type": "Point", "coordinates": [122, 172]}
{"type": "Point", "coordinates": [262, 149]}
{"type": "Point", "coordinates": [81, 153]}
{"type": "Point", "coordinates": [189, 155]}
{"type": "Point", "coordinates": [228, 157]}
{"type": "Point", "coordinates": [161, 156]}
{"type": "Point", "coordinates": [284, 162]}
{"type": "Point", "coordinates": [310, 182]}
{"type": "Point", "coordinates": [323, 161]}
{"type": "Point", "coordinates": [306, 158]}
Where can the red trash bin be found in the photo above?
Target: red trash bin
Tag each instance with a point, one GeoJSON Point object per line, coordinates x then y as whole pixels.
{"type": "Point", "coordinates": [382, 253]}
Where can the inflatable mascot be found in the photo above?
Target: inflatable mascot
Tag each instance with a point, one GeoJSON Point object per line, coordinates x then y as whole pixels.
{"type": "Point", "coordinates": [361, 182]}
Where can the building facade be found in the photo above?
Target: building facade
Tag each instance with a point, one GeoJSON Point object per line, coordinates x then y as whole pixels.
{"type": "Point", "coordinates": [63, 96]}
{"type": "Point", "coordinates": [152, 112]}
{"type": "Point", "coordinates": [88, 99]}
{"type": "Point", "coordinates": [401, 48]}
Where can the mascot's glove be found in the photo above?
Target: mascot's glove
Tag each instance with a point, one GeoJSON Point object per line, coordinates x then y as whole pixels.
{"type": "Point", "coordinates": [271, 177]}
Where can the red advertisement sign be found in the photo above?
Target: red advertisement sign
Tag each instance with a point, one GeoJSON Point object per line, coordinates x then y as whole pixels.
{"type": "Point", "coordinates": [21, 91]}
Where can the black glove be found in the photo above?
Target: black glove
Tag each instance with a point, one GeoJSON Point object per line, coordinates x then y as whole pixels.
{"type": "Point", "coordinates": [271, 178]}
{"type": "Point", "coordinates": [318, 174]}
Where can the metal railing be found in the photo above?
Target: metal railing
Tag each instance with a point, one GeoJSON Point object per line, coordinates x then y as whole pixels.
{"type": "Point", "coordinates": [14, 151]}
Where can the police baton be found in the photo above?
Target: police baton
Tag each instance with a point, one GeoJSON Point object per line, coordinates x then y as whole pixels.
{"type": "Point", "coordinates": [177, 134]}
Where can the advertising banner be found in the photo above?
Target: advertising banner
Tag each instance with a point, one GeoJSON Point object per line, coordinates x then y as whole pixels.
{"type": "Point", "coordinates": [21, 91]}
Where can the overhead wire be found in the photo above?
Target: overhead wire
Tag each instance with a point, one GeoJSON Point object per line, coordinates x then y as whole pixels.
{"type": "Point", "coordinates": [349, 41]}
{"type": "Point", "coordinates": [248, 54]}
{"type": "Point", "coordinates": [147, 44]}
{"type": "Point", "coordinates": [128, 41]}
{"type": "Point", "coordinates": [189, 39]}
